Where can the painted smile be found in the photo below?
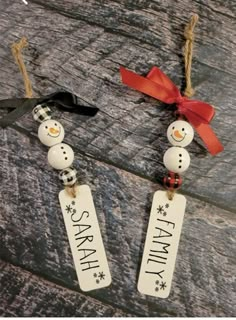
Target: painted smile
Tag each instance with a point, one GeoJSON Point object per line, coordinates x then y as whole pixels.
{"type": "Point", "coordinates": [59, 132]}
{"type": "Point", "coordinates": [180, 139]}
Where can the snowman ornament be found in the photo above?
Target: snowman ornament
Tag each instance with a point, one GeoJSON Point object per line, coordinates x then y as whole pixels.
{"type": "Point", "coordinates": [176, 159]}
{"type": "Point", "coordinates": [76, 201]}
{"type": "Point", "coordinates": [60, 155]}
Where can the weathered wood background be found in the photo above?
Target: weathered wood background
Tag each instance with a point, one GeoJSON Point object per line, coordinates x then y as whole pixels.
{"type": "Point", "coordinates": [78, 45]}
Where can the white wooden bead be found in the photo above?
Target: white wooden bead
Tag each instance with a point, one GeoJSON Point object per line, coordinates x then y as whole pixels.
{"type": "Point", "coordinates": [176, 159]}
{"type": "Point", "coordinates": [180, 133]}
{"type": "Point", "coordinates": [60, 156]}
{"type": "Point", "coordinates": [51, 132]}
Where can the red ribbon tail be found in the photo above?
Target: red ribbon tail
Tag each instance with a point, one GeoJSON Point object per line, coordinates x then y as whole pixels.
{"type": "Point", "coordinates": [209, 138]}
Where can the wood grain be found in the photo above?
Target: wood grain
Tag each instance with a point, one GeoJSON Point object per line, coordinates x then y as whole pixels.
{"type": "Point", "coordinates": [79, 46]}
{"type": "Point", "coordinates": [33, 235]}
{"type": "Point", "coordinates": [24, 295]}
{"type": "Point", "coordinates": [82, 52]}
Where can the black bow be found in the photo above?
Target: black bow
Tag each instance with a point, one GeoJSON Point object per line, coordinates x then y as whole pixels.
{"type": "Point", "coordinates": [65, 101]}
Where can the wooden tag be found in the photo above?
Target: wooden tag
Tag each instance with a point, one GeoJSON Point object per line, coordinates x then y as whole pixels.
{"type": "Point", "coordinates": [85, 239]}
{"type": "Point", "coordinates": [161, 244]}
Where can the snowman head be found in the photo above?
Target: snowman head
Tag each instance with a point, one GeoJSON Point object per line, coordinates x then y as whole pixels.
{"type": "Point", "coordinates": [180, 133]}
{"type": "Point", "coordinates": [51, 132]}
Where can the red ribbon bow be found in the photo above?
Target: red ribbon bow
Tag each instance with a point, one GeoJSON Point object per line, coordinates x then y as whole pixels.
{"type": "Point", "coordinates": [159, 86]}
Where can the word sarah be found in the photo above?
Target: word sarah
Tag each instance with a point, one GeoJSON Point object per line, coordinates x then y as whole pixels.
{"type": "Point", "coordinates": [84, 239]}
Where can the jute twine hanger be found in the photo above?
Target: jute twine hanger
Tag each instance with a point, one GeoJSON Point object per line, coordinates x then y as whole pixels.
{"type": "Point", "coordinates": [188, 56]}
{"type": "Point", "coordinates": [16, 49]}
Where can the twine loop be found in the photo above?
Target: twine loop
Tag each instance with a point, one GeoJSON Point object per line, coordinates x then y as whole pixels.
{"type": "Point", "coordinates": [16, 49]}
{"type": "Point", "coordinates": [188, 54]}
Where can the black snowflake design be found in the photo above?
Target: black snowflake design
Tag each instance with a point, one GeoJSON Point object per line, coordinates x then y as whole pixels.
{"type": "Point", "coordinates": [160, 210]}
{"type": "Point", "coordinates": [163, 285]}
{"type": "Point", "coordinates": [160, 285]}
{"type": "Point", "coordinates": [68, 209]}
{"type": "Point", "coordinates": [99, 277]}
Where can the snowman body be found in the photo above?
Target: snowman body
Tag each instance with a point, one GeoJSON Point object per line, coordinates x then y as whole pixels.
{"type": "Point", "coordinates": [180, 134]}
{"type": "Point", "coordinates": [60, 155]}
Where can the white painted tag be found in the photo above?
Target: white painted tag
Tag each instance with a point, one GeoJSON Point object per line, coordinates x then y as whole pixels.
{"type": "Point", "coordinates": [161, 244]}
{"type": "Point", "coordinates": [85, 239]}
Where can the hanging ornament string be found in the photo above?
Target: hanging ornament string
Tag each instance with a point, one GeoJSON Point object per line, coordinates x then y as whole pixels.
{"type": "Point", "coordinates": [188, 54]}
{"type": "Point", "coordinates": [157, 85]}
{"type": "Point", "coordinates": [16, 49]}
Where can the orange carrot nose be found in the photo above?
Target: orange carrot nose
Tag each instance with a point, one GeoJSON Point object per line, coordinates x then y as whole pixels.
{"type": "Point", "coordinates": [53, 130]}
{"type": "Point", "coordinates": [177, 134]}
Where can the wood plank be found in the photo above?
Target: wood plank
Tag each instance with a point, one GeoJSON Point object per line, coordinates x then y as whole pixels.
{"type": "Point", "coordinates": [82, 53]}
{"type": "Point", "coordinates": [26, 295]}
{"type": "Point", "coordinates": [32, 233]}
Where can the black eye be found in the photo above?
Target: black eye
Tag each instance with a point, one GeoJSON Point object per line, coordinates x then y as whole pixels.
{"type": "Point", "coordinates": [55, 124]}
{"type": "Point", "coordinates": [182, 129]}
{"type": "Point", "coordinates": [66, 158]}
{"type": "Point", "coordinates": [46, 127]}
{"type": "Point", "coordinates": [173, 128]}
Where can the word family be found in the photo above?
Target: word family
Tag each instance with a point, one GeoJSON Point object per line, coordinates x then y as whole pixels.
{"type": "Point", "coordinates": [158, 253]}
{"type": "Point", "coordinates": [161, 244]}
